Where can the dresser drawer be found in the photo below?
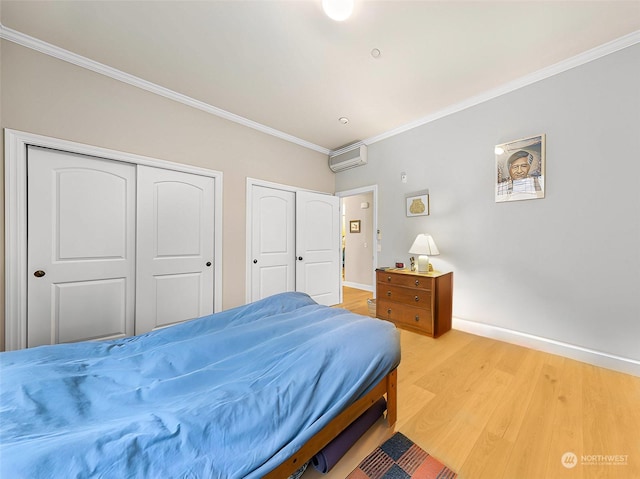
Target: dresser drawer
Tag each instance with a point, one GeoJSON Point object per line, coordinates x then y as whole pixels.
{"type": "Point", "coordinates": [403, 315]}
{"type": "Point", "coordinates": [420, 302]}
{"type": "Point", "coordinates": [408, 280]}
{"type": "Point", "coordinates": [409, 296]}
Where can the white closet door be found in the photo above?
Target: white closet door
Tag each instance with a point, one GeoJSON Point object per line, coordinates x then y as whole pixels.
{"type": "Point", "coordinates": [318, 246]}
{"type": "Point", "coordinates": [272, 242]}
{"type": "Point", "coordinates": [81, 247]}
{"type": "Point", "coordinates": [175, 247]}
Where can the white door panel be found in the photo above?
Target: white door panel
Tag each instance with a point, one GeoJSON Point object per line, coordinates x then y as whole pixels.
{"type": "Point", "coordinates": [178, 296]}
{"type": "Point", "coordinates": [275, 279]}
{"type": "Point", "coordinates": [272, 242]}
{"type": "Point", "coordinates": [81, 233]}
{"type": "Point", "coordinates": [91, 309]}
{"type": "Point", "coordinates": [319, 279]}
{"type": "Point", "coordinates": [178, 212]}
{"type": "Point", "coordinates": [81, 226]}
{"type": "Point", "coordinates": [318, 246]}
{"type": "Point", "coordinates": [175, 247]}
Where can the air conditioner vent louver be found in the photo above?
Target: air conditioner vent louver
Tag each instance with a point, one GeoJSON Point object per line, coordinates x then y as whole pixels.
{"type": "Point", "coordinates": [349, 157]}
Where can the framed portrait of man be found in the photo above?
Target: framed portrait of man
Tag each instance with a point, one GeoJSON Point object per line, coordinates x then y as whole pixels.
{"type": "Point", "coordinates": [520, 169]}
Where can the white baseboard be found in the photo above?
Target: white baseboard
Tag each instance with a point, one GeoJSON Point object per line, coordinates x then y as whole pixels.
{"type": "Point", "coordinates": [364, 287]}
{"type": "Point", "coordinates": [586, 355]}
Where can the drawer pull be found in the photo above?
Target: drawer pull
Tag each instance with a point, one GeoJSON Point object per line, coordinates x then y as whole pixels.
{"type": "Point", "coordinates": [389, 311]}
{"type": "Point", "coordinates": [388, 293]}
{"type": "Point", "coordinates": [389, 278]}
{"type": "Point", "coordinates": [417, 282]}
{"type": "Point", "coordinates": [417, 318]}
{"type": "Point", "coordinates": [417, 298]}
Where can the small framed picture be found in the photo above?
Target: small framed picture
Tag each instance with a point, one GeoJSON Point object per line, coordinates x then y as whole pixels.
{"type": "Point", "coordinates": [354, 226]}
{"type": "Point", "coordinates": [417, 204]}
{"type": "Point", "coordinates": [520, 169]}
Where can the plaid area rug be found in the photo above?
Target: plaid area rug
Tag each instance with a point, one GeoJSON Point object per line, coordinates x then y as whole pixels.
{"type": "Point", "coordinates": [400, 458]}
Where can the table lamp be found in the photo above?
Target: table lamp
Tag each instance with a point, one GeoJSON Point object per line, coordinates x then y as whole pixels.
{"type": "Point", "coordinates": [424, 246]}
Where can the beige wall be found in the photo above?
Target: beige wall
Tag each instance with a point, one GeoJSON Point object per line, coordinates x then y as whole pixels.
{"type": "Point", "coordinates": [43, 95]}
{"type": "Point", "coordinates": [358, 263]}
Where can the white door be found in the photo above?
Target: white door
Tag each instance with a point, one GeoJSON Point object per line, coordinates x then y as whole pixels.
{"type": "Point", "coordinates": [81, 247]}
{"type": "Point", "coordinates": [272, 242]}
{"type": "Point", "coordinates": [318, 246]}
{"type": "Point", "coordinates": [175, 247]}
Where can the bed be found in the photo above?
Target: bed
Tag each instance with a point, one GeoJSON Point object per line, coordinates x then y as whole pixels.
{"type": "Point", "coordinates": [251, 392]}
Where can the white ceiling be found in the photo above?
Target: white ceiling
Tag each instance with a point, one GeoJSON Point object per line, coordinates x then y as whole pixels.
{"type": "Point", "coordinates": [285, 65]}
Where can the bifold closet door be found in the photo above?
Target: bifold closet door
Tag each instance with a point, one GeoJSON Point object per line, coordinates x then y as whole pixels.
{"type": "Point", "coordinates": [318, 246]}
{"type": "Point", "coordinates": [295, 244]}
{"type": "Point", "coordinates": [81, 247]}
{"type": "Point", "coordinates": [175, 247]}
{"type": "Point", "coordinates": [273, 239]}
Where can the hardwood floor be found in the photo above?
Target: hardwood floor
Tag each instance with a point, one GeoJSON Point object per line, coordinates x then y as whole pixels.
{"type": "Point", "coordinates": [493, 410]}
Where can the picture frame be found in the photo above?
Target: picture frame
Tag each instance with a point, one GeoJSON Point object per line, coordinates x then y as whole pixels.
{"type": "Point", "coordinates": [520, 169]}
{"type": "Point", "coordinates": [417, 204]}
{"type": "Point", "coordinates": [354, 226]}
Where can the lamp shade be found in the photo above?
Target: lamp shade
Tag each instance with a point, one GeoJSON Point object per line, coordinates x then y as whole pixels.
{"type": "Point", "coordinates": [425, 245]}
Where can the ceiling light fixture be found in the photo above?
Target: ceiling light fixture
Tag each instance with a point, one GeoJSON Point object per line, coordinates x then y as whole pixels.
{"type": "Point", "coordinates": [344, 120]}
{"type": "Point", "coordinates": [375, 53]}
{"type": "Point", "coordinates": [338, 10]}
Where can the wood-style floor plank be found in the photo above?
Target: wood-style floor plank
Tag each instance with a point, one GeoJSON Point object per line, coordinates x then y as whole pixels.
{"type": "Point", "coordinates": [493, 410]}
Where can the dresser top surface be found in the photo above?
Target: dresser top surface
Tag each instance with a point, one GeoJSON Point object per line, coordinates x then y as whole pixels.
{"type": "Point", "coordinates": [430, 274]}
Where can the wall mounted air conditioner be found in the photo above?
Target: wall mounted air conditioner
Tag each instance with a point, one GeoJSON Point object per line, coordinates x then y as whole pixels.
{"type": "Point", "coordinates": [348, 157]}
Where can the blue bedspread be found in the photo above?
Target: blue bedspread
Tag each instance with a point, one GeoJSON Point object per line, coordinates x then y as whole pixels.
{"type": "Point", "coordinates": [230, 395]}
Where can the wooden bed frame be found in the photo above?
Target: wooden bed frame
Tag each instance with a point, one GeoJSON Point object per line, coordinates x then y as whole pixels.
{"type": "Point", "coordinates": [387, 386]}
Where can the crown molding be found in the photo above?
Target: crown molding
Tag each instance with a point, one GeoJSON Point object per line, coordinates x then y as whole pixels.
{"type": "Point", "coordinates": [560, 67]}
{"type": "Point", "coordinates": [70, 57]}
{"type": "Point", "coordinates": [78, 60]}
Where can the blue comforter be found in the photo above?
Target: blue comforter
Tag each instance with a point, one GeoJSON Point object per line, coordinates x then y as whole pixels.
{"type": "Point", "coordinates": [230, 395]}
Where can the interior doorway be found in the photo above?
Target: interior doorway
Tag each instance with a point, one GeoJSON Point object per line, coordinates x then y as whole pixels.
{"type": "Point", "coordinates": [359, 237]}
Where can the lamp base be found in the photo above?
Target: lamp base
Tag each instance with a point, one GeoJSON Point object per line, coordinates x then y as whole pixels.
{"type": "Point", "coordinates": [423, 264]}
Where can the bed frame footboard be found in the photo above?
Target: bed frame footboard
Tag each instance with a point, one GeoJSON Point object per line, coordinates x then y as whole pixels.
{"type": "Point", "coordinates": [387, 386]}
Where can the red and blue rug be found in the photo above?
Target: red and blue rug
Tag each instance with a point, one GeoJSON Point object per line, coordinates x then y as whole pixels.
{"type": "Point", "coordinates": [400, 458]}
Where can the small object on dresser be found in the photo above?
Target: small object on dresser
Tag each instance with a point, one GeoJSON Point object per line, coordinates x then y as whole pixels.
{"type": "Point", "coordinates": [399, 265]}
{"type": "Point", "coordinates": [413, 263]}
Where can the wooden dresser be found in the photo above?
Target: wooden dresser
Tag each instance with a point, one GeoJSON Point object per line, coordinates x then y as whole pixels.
{"type": "Point", "coordinates": [419, 302]}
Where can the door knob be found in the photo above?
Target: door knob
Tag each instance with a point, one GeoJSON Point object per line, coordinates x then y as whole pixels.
{"type": "Point", "coordinates": [299, 258]}
{"type": "Point", "coordinates": [255, 261]}
{"type": "Point", "coordinates": [208, 263]}
{"type": "Point", "coordinates": [39, 273]}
